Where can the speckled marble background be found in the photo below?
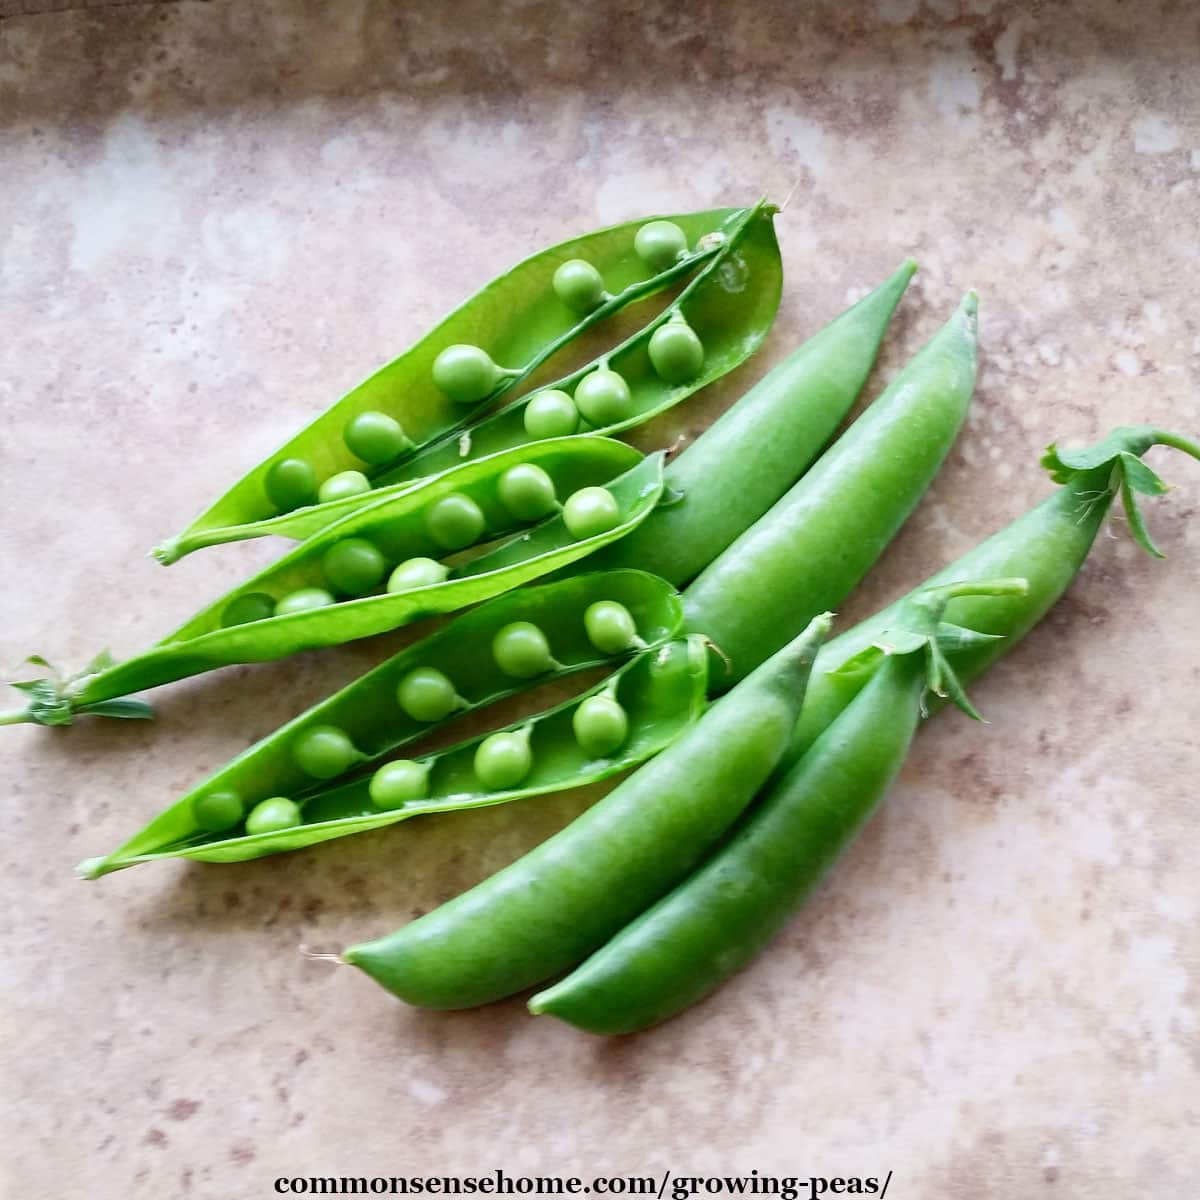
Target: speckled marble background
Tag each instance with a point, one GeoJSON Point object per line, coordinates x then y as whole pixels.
{"type": "Point", "coordinates": [216, 217]}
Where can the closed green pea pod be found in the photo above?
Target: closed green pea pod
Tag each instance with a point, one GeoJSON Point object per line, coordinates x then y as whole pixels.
{"type": "Point", "coordinates": [812, 548]}
{"type": "Point", "coordinates": [565, 898]}
{"type": "Point", "coordinates": [721, 915]}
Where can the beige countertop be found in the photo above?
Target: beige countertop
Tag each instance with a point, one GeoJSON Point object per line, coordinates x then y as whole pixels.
{"type": "Point", "coordinates": [215, 218]}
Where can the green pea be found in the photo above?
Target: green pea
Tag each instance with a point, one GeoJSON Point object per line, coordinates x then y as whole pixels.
{"type": "Point", "coordinates": [375, 437]}
{"type": "Point", "coordinates": [466, 373]}
{"type": "Point", "coordinates": [324, 752]}
{"type": "Point", "coordinates": [610, 627]}
{"type": "Point", "coordinates": [218, 811]}
{"type": "Point", "coordinates": [660, 244]}
{"type": "Point", "coordinates": [342, 485]}
{"type": "Point", "coordinates": [527, 491]}
{"type": "Point", "coordinates": [455, 522]}
{"type": "Point", "coordinates": [579, 285]}
{"type": "Point", "coordinates": [290, 483]}
{"type": "Point", "coordinates": [417, 573]}
{"type": "Point", "coordinates": [425, 694]}
{"type": "Point", "coordinates": [551, 414]}
{"type": "Point", "coordinates": [302, 600]}
{"type": "Point", "coordinates": [273, 815]}
{"type": "Point", "coordinates": [603, 398]}
{"type": "Point", "coordinates": [396, 783]}
{"type": "Point", "coordinates": [253, 606]}
{"type": "Point", "coordinates": [522, 651]}
{"type": "Point", "coordinates": [600, 726]}
{"type": "Point", "coordinates": [354, 566]}
{"type": "Point", "coordinates": [590, 511]}
{"type": "Point", "coordinates": [504, 759]}
{"type": "Point", "coordinates": [676, 353]}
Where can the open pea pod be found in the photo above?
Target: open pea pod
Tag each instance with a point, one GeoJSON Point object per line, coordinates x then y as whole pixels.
{"type": "Point", "coordinates": [717, 322]}
{"type": "Point", "coordinates": [660, 693]}
{"type": "Point", "coordinates": [502, 335]}
{"type": "Point", "coordinates": [374, 719]}
{"type": "Point", "coordinates": [290, 606]}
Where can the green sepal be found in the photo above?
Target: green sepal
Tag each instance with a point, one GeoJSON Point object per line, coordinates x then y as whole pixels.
{"type": "Point", "coordinates": [1063, 465]}
{"type": "Point", "coordinates": [1121, 450]}
{"type": "Point", "coordinates": [957, 639]}
{"type": "Point", "coordinates": [941, 680]}
{"type": "Point", "coordinates": [47, 702]}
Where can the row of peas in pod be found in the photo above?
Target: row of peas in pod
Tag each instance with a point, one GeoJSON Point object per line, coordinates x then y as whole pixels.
{"type": "Point", "coordinates": [437, 404]}
{"type": "Point", "coordinates": [355, 566]}
{"type": "Point", "coordinates": [467, 374]}
{"type": "Point", "coordinates": [335, 769]}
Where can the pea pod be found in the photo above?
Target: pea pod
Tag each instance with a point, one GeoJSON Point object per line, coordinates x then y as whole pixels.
{"type": "Point", "coordinates": [1047, 546]}
{"type": "Point", "coordinates": [518, 321]}
{"type": "Point", "coordinates": [725, 912]}
{"type": "Point", "coordinates": [811, 549]}
{"type": "Point", "coordinates": [659, 694]}
{"type": "Point", "coordinates": [729, 307]}
{"type": "Point", "coordinates": [745, 461]}
{"type": "Point", "coordinates": [550, 909]}
{"type": "Point", "coordinates": [396, 530]}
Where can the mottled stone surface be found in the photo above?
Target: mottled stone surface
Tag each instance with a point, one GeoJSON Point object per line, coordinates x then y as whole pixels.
{"type": "Point", "coordinates": [214, 218]}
